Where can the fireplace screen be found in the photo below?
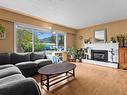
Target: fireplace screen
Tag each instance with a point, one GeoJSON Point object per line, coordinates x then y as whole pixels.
{"type": "Point", "coordinates": [99, 55]}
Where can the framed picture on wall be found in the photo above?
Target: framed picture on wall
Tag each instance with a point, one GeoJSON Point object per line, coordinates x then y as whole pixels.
{"type": "Point", "coordinates": [100, 36]}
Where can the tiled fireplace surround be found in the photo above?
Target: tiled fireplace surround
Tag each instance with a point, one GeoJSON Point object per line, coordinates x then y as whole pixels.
{"type": "Point", "coordinates": [100, 50]}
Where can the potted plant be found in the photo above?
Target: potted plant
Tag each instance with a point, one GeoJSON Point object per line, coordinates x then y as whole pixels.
{"type": "Point", "coordinates": [80, 54]}
{"type": "Point", "coordinates": [2, 30]}
{"type": "Point", "coordinates": [113, 40]}
{"type": "Point", "coordinates": [121, 40]}
{"type": "Point", "coordinates": [87, 41]}
{"type": "Point", "coordinates": [72, 52]}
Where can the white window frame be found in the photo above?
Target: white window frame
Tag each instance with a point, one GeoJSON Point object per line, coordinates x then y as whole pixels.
{"type": "Point", "coordinates": [38, 28]}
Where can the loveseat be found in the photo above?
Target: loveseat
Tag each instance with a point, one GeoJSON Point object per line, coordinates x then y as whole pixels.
{"type": "Point", "coordinates": [12, 82]}
{"type": "Point", "coordinates": [28, 63]}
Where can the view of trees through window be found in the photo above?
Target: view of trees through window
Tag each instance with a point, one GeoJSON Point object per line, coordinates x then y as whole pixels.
{"type": "Point", "coordinates": [35, 40]}
{"type": "Point", "coordinates": [45, 39]}
{"type": "Point", "coordinates": [60, 42]}
{"type": "Point", "coordinates": [24, 40]}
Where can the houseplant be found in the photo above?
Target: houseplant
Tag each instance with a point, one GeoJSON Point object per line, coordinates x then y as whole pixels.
{"type": "Point", "coordinates": [80, 54]}
{"type": "Point", "coordinates": [113, 40]}
{"type": "Point", "coordinates": [72, 52]}
{"type": "Point", "coordinates": [2, 32]}
{"type": "Point", "coordinates": [121, 40]}
{"type": "Point", "coordinates": [2, 29]}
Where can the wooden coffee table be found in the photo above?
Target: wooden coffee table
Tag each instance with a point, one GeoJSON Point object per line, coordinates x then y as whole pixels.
{"type": "Point", "coordinates": [55, 70]}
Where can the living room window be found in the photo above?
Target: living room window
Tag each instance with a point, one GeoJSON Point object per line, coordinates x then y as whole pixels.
{"type": "Point", "coordinates": [32, 39]}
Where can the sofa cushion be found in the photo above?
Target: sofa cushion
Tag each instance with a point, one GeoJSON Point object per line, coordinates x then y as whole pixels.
{"type": "Point", "coordinates": [9, 71]}
{"type": "Point", "coordinates": [26, 86]}
{"type": "Point", "coordinates": [36, 56]}
{"type": "Point", "coordinates": [26, 65]}
{"type": "Point", "coordinates": [4, 58]}
{"type": "Point", "coordinates": [11, 78]}
{"type": "Point", "coordinates": [6, 66]}
{"type": "Point", "coordinates": [43, 62]}
{"type": "Point", "coordinates": [19, 57]}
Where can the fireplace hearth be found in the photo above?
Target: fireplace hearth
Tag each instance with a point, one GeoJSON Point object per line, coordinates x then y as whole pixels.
{"type": "Point", "coordinates": [99, 55]}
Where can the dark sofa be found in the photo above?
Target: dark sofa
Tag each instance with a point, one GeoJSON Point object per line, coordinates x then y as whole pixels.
{"type": "Point", "coordinates": [12, 82]}
{"type": "Point", "coordinates": [28, 63]}
{"type": "Point", "coordinates": [14, 68]}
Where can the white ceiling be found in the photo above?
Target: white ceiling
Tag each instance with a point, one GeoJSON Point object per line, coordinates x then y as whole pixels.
{"type": "Point", "coordinates": [76, 14]}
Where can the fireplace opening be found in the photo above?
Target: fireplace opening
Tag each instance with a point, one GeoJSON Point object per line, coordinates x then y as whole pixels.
{"type": "Point", "coordinates": [99, 55]}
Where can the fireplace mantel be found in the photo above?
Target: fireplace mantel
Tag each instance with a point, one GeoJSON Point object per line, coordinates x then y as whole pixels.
{"type": "Point", "coordinates": [105, 46]}
{"type": "Point", "coordinates": [109, 47]}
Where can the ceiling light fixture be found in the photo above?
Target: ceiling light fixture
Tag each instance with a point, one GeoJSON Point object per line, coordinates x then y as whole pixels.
{"type": "Point", "coordinates": [50, 28]}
